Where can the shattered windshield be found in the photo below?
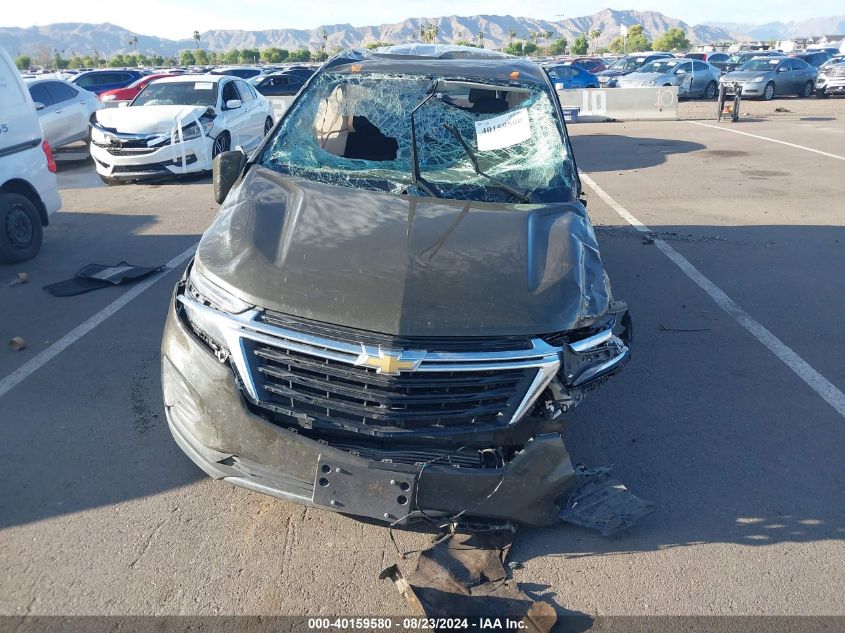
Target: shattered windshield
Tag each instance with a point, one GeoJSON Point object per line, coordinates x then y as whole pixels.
{"type": "Point", "coordinates": [474, 141]}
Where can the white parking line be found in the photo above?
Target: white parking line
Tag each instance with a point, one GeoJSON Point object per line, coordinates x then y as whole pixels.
{"type": "Point", "coordinates": [818, 383]}
{"type": "Point", "coordinates": [42, 358]}
{"type": "Point", "coordinates": [771, 140]}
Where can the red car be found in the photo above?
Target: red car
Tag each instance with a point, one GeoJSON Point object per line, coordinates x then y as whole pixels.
{"type": "Point", "coordinates": [131, 91]}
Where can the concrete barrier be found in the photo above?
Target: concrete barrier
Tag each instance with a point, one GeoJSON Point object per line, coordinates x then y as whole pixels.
{"type": "Point", "coordinates": [280, 104]}
{"type": "Point", "coordinates": [623, 104]}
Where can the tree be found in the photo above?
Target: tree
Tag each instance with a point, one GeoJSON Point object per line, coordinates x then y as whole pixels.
{"type": "Point", "coordinates": [302, 55]}
{"type": "Point", "coordinates": [637, 41]}
{"type": "Point", "coordinates": [674, 39]}
{"type": "Point", "coordinates": [232, 56]}
{"type": "Point", "coordinates": [529, 48]}
{"type": "Point", "coordinates": [273, 55]}
{"type": "Point", "coordinates": [250, 55]}
{"type": "Point", "coordinates": [595, 34]}
{"type": "Point", "coordinates": [558, 47]}
{"type": "Point", "coordinates": [480, 38]}
{"type": "Point", "coordinates": [323, 54]}
{"type": "Point", "coordinates": [131, 60]}
{"type": "Point", "coordinates": [514, 48]}
{"type": "Point", "coordinates": [196, 37]}
{"type": "Point", "coordinates": [116, 61]}
{"type": "Point", "coordinates": [186, 58]}
{"type": "Point", "coordinates": [374, 45]}
{"type": "Point", "coordinates": [511, 36]}
{"type": "Point", "coordinates": [76, 61]}
{"type": "Point", "coordinates": [23, 62]}
{"type": "Point", "coordinates": [201, 56]}
{"type": "Point", "coordinates": [579, 45]}
{"type": "Point", "coordinates": [133, 43]}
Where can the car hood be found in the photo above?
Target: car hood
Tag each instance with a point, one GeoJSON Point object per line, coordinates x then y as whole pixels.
{"type": "Point", "coordinates": [149, 119]}
{"type": "Point", "coordinates": [404, 265]}
{"type": "Point", "coordinates": [614, 73]}
{"type": "Point", "coordinates": [745, 75]}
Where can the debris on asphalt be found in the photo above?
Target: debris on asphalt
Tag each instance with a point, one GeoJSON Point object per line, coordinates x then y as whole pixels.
{"type": "Point", "coordinates": [782, 109]}
{"type": "Point", "coordinates": [663, 328]}
{"type": "Point", "coordinates": [96, 276]}
{"type": "Point", "coordinates": [603, 503]}
{"type": "Point", "coordinates": [464, 575]}
{"type": "Point", "coordinates": [20, 278]}
{"type": "Point", "coordinates": [648, 240]}
{"type": "Point", "coordinates": [16, 344]}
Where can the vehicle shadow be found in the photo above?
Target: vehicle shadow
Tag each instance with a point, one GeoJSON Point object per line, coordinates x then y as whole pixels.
{"type": "Point", "coordinates": [727, 442]}
{"type": "Point", "coordinates": [87, 429]}
{"type": "Point", "coordinates": [599, 152]}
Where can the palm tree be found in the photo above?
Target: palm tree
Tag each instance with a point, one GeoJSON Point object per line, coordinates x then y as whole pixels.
{"type": "Point", "coordinates": [595, 34]}
{"type": "Point", "coordinates": [480, 37]}
{"type": "Point", "coordinates": [512, 35]}
{"type": "Point", "coordinates": [133, 42]}
{"type": "Point", "coordinates": [197, 38]}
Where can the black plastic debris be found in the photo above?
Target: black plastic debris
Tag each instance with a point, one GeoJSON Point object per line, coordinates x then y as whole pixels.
{"type": "Point", "coordinates": [603, 503]}
{"type": "Point", "coordinates": [463, 576]}
{"type": "Point", "coordinates": [96, 276]}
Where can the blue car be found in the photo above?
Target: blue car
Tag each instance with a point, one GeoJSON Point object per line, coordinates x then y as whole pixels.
{"type": "Point", "coordinates": [565, 76]}
{"type": "Point", "coordinates": [98, 81]}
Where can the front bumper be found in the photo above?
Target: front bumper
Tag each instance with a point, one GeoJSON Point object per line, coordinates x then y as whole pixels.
{"type": "Point", "coordinates": [831, 86]}
{"type": "Point", "coordinates": [176, 158]}
{"type": "Point", "coordinates": [211, 422]}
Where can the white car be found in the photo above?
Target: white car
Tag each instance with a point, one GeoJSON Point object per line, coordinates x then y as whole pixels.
{"type": "Point", "coordinates": [29, 193]}
{"type": "Point", "coordinates": [63, 110]}
{"type": "Point", "coordinates": [177, 125]}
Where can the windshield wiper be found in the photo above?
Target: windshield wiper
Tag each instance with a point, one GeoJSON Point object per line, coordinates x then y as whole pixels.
{"type": "Point", "coordinates": [474, 160]}
{"type": "Point", "coordinates": [416, 178]}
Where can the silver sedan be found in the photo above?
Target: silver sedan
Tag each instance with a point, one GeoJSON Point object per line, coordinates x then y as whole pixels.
{"type": "Point", "coordinates": [767, 77]}
{"type": "Point", "coordinates": [694, 78]}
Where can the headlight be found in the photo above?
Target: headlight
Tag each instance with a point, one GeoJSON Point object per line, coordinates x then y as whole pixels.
{"type": "Point", "coordinates": [192, 130]}
{"type": "Point", "coordinates": [98, 136]}
{"type": "Point", "coordinates": [203, 289]}
{"type": "Point", "coordinates": [107, 98]}
{"type": "Point", "coordinates": [650, 82]}
{"type": "Point", "coordinates": [756, 80]}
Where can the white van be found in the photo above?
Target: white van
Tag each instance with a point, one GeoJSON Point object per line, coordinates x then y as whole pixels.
{"type": "Point", "coordinates": [29, 193]}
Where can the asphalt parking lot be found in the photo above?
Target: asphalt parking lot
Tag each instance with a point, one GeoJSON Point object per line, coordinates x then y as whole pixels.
{"type": "Point", "coordinates": [738, 443]}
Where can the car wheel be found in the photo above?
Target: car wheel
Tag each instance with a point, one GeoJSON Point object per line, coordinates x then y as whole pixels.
{"type": "Point", "coordinates": [807, 91]}
{"type": "Point", "coordinates": [20, 228]}
{"type": "Point", "coordinates": [769, 91]}
{"type": "Point", "coordinates": [821, 94]}
{"type": "Point", "coordinates": [221, 144]}
{"type": "Point", "coordinates": [711, 91]}
{"type": "Point", "coordinates": [268, 125]}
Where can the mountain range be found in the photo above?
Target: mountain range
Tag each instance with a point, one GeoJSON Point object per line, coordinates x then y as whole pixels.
{"type": "Point", "coordinates": [109, 39]}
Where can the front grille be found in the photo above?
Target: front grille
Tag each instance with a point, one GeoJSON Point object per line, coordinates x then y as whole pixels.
{"type": "Point", "coordinates": [129, 151]}
{"type": "Point", "coordinates": [322, 392]}
{"type": "Point", "coordinates": [358, 337]}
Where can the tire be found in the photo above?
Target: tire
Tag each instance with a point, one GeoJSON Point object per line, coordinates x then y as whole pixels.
{"type": "Point", "coordinates": [221, 144]}
{"type": "Point", "coordinates": [821, 94]}
{"type": "Point", "coordinates": [711, 91]}
{"type": "Point", "coordinates": [769, 91]}
{"type": "Point", "coordinates": [21, 232]}
{"type": "Point", "coordinates": [268, 125]}
{"type": "Point", "coordinates": [807, 90]}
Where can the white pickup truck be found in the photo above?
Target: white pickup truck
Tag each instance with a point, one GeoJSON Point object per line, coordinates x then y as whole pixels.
{"type": "Point", "coordinates": [29, 193]}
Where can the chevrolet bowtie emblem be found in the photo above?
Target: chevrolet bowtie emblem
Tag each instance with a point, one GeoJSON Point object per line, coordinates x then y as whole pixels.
{"type": "Point", "coordinates": [391, 362]}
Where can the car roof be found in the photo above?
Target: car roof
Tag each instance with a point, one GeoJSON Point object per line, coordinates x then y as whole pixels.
{"type": "Point", "coordinates": [178, 79]}
{"type": "Point", "coordinates": [438, 59]}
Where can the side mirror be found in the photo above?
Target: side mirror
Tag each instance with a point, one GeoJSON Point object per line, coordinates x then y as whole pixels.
{"type": "Point", "coordinates": [39, 105]}
{"type": "Point", "coordinates": [233, 104]}
{"type": "Point", "coordinates": [226, 168]}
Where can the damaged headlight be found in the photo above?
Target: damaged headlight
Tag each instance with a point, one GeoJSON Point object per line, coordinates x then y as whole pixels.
{"type": "Point", "coordinates": [98, 136]}
{"type": "Point", "coordinates": [192, 130]}
{"type": "Point", "coordinates": [207, 308]}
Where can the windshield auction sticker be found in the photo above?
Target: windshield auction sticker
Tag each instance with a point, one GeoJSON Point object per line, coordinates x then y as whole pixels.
{"type": "Point", "coordinates": [503, 131]}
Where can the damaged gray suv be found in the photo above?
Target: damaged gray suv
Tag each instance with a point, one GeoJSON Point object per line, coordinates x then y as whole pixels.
{"type": "Point", "coordinates": [400, 298]}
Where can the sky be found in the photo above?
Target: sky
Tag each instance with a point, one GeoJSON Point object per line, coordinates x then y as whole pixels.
{"type": "Point", "coordinates": [176, 19]}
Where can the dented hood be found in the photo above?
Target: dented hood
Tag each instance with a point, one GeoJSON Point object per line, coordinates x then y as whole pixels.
{"type": "Point", "coordinates": [152, 119]}
{"type": "Point", "coordinates": [404, 265]}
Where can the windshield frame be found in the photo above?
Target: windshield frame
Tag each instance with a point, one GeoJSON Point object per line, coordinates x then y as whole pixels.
{"type": "Point", "coordinates": [569, 172]}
